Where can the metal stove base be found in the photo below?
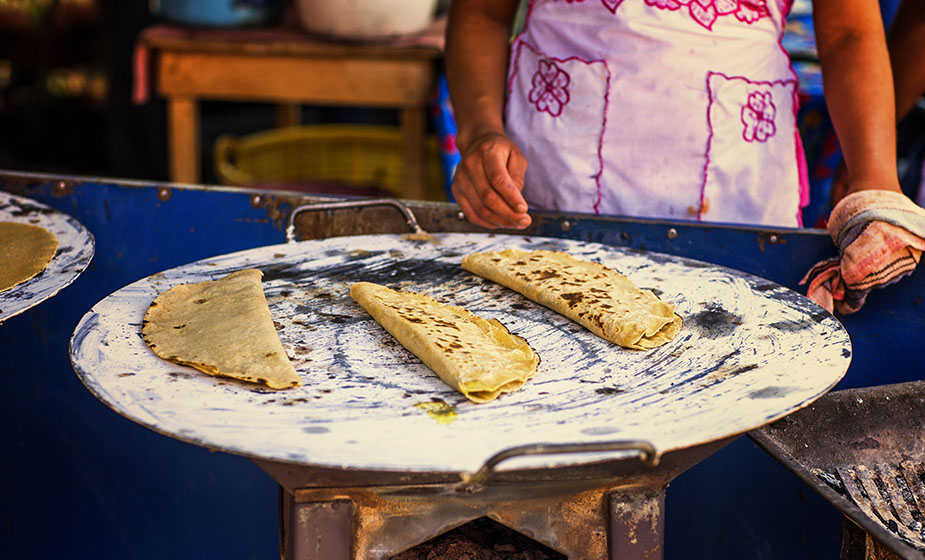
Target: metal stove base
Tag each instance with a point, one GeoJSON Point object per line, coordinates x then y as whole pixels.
{"type": "Point", "coordinates": [612, 509]}
{"type": "Point", "coordinates": [612, 521]}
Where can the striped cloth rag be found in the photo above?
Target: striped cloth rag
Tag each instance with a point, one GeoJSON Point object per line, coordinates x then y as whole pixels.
{"type": "Point", "coordinates": [880, 237]}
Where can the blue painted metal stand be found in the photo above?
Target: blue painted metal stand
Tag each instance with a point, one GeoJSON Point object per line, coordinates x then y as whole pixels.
{"type": "Point", "coordinates": [81, 481]}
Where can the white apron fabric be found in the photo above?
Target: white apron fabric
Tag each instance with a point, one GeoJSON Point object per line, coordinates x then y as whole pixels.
{"type": "Point", "coordinates": [658, 108]}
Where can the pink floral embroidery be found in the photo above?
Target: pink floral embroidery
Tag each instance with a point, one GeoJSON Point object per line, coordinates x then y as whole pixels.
{"type": "Point", "coordinates": [706, 12]}
{"type": "Point", "coordinates": [751, 11]}
{"type": "Point", "coordinates": [550, 88]}
{"type": "Point", "coordinates": [758, 117]}
{"type": "Point", "coordinates": [611, 5]}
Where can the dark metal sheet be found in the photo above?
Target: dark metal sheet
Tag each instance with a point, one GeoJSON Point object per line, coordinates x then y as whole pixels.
{"type": "Point", "coordinates": [841, 440]}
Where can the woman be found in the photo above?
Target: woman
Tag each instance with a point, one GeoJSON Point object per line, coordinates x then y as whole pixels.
{"type": "Point", "coordinates": [660, 108]}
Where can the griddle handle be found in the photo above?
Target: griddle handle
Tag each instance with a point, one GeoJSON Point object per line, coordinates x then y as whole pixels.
{"type": "Point", "coordinates": [649, 455]}
{"type": "Point", "coordinates": [410, 219]}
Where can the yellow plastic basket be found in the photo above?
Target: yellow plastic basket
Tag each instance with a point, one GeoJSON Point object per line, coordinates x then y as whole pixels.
{"type": "Point", "coordinates": [359, 158]}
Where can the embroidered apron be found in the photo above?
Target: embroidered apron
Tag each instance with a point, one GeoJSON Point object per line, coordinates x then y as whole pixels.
{"type": "Point", "coordinates": [658, 108]}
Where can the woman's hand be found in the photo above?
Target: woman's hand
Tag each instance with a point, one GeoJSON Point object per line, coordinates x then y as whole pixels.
{"type": "Point", "coordinates": [488, 182]}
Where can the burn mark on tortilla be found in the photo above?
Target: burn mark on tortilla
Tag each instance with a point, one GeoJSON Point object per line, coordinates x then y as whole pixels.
{"type": "Point", "coordinates": [200, 301]}
{"type": "Point", "coordinates": [179, 326]}
{"type": "Point", "coordinates": [547, 274]}
{"type": "Point", "coordinates": [446, 324]}
{"type": "Point", "coordinates": [573, 298]}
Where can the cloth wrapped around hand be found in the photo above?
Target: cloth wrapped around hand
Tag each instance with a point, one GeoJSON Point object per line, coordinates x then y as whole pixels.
{"type": "Point", "coordinates": [880, 237]}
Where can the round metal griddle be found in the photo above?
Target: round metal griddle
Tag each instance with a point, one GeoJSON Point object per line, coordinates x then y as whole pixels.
{"type": "Point", "coordinates": [75, 250]}
{"type": "Point", "coordinates": [750, 351]}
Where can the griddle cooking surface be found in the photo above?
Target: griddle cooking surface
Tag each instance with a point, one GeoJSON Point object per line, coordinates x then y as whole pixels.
{"type": "Point", "coordinates": [749, 352]}
{"type": "Point", "coordinates": [75, 249]}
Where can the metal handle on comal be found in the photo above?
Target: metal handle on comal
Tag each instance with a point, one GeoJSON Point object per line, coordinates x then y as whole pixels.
{"type": "Point", "coordinates": [471, 482]}
{"type": "Point", "coordinates": [406, 212]}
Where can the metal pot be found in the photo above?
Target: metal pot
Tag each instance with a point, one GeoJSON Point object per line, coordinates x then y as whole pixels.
{"type": "Point", "coordinates": [366, 19]}
{"type": "Point", "coordinates": [218, 13]}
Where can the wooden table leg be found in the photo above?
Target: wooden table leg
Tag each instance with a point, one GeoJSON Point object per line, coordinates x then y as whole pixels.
{"type": "Point", "coordinates": [183, 139]}
{"type": "Point", "coordinates": [413, 122]}
{"type": "Point", "coordinates": [288, 114]}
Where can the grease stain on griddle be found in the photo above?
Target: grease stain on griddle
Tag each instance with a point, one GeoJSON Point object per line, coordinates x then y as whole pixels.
{"type": "Point", "coordinates": [315, 430]}
{"type": "Point", "coordinates": [609, 391]}
{"type": "Point", "coordinates": [714, 321]}
{"type": "Point", "coordinates": [439, 410]}
{"type": "Point", "coordinates": [393, 271]}
{"type": "Point", "coordinates": [336, 318]}
{"type": "Point", "coordinates": [599, 431]}
{"type": "Point", "coordinates": [281, 271]}
{"type": "Point", "coordinates": [789, 325]}
{"type": "Point", "coordinates": [772, 392]}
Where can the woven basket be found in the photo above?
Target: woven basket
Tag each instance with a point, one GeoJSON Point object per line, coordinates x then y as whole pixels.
{"type": "Point", "coordinates": [333, 159]}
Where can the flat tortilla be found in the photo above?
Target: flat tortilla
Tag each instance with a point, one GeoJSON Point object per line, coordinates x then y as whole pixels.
{"type": "Point", "coordinates": [599, 298]}
{"type": "Point", "coordinates": [25, 251]}
{"type": "Point", "coordinates": [480, 359]}
{"type": "Point", "coordinates": [221, 327]}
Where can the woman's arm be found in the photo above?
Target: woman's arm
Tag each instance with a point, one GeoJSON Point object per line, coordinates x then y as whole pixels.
{"type": "Point", "coordinates": [858, 89]}
{"type": "Point", "coordinates": [906, 41]}
{"type": "Point", "coordinates": [490, 175]}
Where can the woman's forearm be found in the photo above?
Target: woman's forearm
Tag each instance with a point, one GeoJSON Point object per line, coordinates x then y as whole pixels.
{"type": "Point", "coordinates": [858, 86]}
{"type": "Point", "coordinates": [906, 41]}
{"type": "Point", "coordinates": [478, 37]}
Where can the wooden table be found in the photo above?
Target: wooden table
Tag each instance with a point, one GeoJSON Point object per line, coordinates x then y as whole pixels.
{"type": "Point", "coordinates": [287, 67]}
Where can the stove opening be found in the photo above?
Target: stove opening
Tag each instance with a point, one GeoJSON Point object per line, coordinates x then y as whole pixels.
{"type": "Point", "coordinates": [481, 539]}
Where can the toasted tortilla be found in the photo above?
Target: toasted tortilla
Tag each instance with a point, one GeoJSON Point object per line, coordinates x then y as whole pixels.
{"type": "Point", "coordinates": [599, 298]}
{"type": "Point", "coordinates": [480, 359]}
{"type": "Point", "coordinates": [25, 251]}
{"type": "Point", "coordinates": [220, 327]}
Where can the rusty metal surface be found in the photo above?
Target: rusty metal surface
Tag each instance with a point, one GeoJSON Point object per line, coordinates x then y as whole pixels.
{"type": "Point", "coordinates": [587, 512]}
{"type": "Point", "coordinates": [863, 437]}
{"type": "Point", "coordinates": [637, 525]}
{"type": "Point", "coordinates": [571, 517]}
{"type": "Point", "coordinates": [317, 530]}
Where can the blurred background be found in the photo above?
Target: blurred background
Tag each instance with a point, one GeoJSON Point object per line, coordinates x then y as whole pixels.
{"type": "Point", "coordinates": [78, 94]}
{"type": "Point", "coordinates": [68, 69]}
